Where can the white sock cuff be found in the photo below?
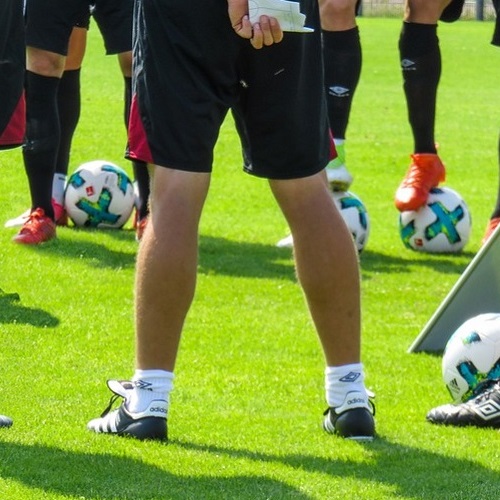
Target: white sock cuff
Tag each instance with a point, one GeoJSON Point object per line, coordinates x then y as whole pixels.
{"type": "Point", "coordinates": [154, 380]}
{"type": "Point", "coordinates": [342, 371]}
{"type": "Point", "coordinates": [144, 374]}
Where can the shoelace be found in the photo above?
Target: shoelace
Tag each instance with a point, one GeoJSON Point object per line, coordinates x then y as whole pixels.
{"type": "Point", "coordinates": [484, 390]}
{"type": "Point", "coordinates": [127, 385]}
{"type": "Point", "coordinates": [416, 176]}
{"type": "Point", "coordinates": [112, 401]}
{"type": "Point", "coordinates": [34, 217]}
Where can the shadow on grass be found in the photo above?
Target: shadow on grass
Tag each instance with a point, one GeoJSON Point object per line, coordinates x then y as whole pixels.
{"type": "Point", "coordinates": [96, 253]}
{"type": "Point", "coordinates": [235, 258]}
{"type": "Point", "coordinates": [403, 470]}
{"type": "Point", "coordinates": [443, 263]}
{"type": "Point", "coordinates": [221, 256]}
{"type": "Point", "coordinates": [104, 476]}
{"type": "Point", "coordinates": [12, 311]}
{"type": "Point", "coordinates": [408, 472]}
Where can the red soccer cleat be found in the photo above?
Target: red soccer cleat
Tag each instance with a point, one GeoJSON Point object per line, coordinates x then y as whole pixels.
{"type": "Point", "coordinates": [140, 228]}
{"type": "Point", "coordinates": [490, 229]}
{"type": "Point", "coordinates": [37, 229]}
{"type": "Point", "coordinates": [60, 214]}
{"type": "Point", "coordinates": [426, 172]}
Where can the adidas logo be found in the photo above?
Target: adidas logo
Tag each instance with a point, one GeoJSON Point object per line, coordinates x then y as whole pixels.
{"type": "Point", "coordinates": [355, 401]}
{"type": "Point", "coordinates": [158, 409]}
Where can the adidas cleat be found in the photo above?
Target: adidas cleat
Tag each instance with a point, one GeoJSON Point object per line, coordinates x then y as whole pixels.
{"type": "Point", "coordinates": [149, 424]}
{"type": "Point", "coordinates": [353, 419]}
{"type": "Point", "coordinates": [481, 411]}
{"type": "Point", "coordinates": [5, 421]}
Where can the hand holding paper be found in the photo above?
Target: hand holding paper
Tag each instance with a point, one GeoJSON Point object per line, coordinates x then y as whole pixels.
{"type": "Point", "coordinates": [287, 13]}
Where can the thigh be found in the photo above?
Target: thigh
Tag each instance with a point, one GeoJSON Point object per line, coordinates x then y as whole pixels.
{"type": "Point", "coordinates": [426, 11]}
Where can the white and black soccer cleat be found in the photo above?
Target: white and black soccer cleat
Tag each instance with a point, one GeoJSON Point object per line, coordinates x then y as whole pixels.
{"type": "Point", "coordinates": [5, 421]}
{"type": "Point", "coordinates": [481, 411]}
{"type": "Point", "coordinates": [149, 424]}
{"type": "Point", "coordinates": [354, 419]}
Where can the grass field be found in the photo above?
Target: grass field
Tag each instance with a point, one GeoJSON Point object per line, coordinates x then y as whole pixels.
{"type": "Point", "coordinates": [245, 421]}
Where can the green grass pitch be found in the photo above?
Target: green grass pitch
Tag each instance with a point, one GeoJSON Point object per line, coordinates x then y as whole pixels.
{"type": "Point", "coordinates": [245, 421]}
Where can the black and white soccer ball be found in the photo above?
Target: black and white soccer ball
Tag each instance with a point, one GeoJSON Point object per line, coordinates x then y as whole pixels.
{"type": "Point", "coordinates": [99, 194]}
{"type": "Point", "coordinates": [442, 225]}
{"type": "Point", "coordinates": [355, 215]}
{"type": "Point", "coordinates": [472, 356]}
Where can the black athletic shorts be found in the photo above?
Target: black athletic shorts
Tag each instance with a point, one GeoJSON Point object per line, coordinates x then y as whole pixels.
{"type": "Point", "coordinates": [190, 68]}
{"type": "Point", "coordinates": [12, 63]}
{"type": "Point", "coordinates": [453, 11]}
{"type": "Point", "coordinates": [49, 23]}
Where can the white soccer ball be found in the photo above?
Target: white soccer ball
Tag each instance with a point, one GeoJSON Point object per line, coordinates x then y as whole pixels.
{"type": "Point", "coordinates": [355, 215]}
{"type": "Point", "coordinates": [442, 225]}
{"type": "Point", "coordinates": [99, 194]}
{"type": "Point", "coordinates": [472, 356]}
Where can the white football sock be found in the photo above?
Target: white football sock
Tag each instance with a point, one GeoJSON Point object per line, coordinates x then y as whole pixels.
{"type": "Point", "coordinates": [340, 380]}
{"type": "Point", "coordinates": [58, 186]}
{"type": "Point", "coordinates": [149, 385]}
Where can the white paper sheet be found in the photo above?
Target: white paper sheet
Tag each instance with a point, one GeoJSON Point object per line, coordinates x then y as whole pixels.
{"type": "Point", "coordinates": [287, 14]}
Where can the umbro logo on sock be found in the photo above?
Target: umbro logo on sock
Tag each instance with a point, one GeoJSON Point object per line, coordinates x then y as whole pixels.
{"type": "Point", "coordinates": [141, 384]}
{"type": "Point", "coordinates": [408, 65]}
{"type": "Point", "coordinates": [338, 91]}
{"type": "Point", "coordinates": [350, 377]}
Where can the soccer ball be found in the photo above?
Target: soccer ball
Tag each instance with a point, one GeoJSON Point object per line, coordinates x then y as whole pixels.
{"type": "Point", "coordinates": [354, 213]}
{"type": "Point", "coordinates": [472, 356]}
{"type": "Point", "coordinates": [99, 194]}
{"type": "Point", "coordinates": [442, 225]}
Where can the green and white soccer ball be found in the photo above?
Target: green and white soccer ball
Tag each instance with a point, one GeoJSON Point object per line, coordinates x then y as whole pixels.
{"type": "Point", "coordinates": [99, 194]}
{"type": "Point", "coordinates": [472, 356]}
{"type": "Point", "coordinates": [442, 225]}
{"type": "Point", "coordinates": [355, 215]}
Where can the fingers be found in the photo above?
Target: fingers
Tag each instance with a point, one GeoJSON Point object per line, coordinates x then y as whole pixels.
{"type": "Point", "coordinates": [266, 32]}
{"type": "Point", "coordinates": [244, 28]}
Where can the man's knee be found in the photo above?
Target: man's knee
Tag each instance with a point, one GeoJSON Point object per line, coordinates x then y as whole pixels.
{"type": "Point", "coordinates": [44, 63]}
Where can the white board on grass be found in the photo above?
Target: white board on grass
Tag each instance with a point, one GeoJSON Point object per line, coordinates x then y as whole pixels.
{"type": "Point", "coordinates": [477, 291]}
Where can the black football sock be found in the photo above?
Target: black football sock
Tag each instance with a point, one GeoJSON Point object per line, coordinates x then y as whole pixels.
{"type": "Point", "coordinates": [69, 103]}
{"type": "Point", "coordinates": [42, 138]}
{"type": "Point", "coordinates": [141, 173]}
{"type": "Point", "coordinates": [342, 60]}
{"type": "Point", "coordinates": [141, 176]}
{"type": "Point", "coordinates": [127, 98]}
{"type": "Point", "coordinates": [421, 66]}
